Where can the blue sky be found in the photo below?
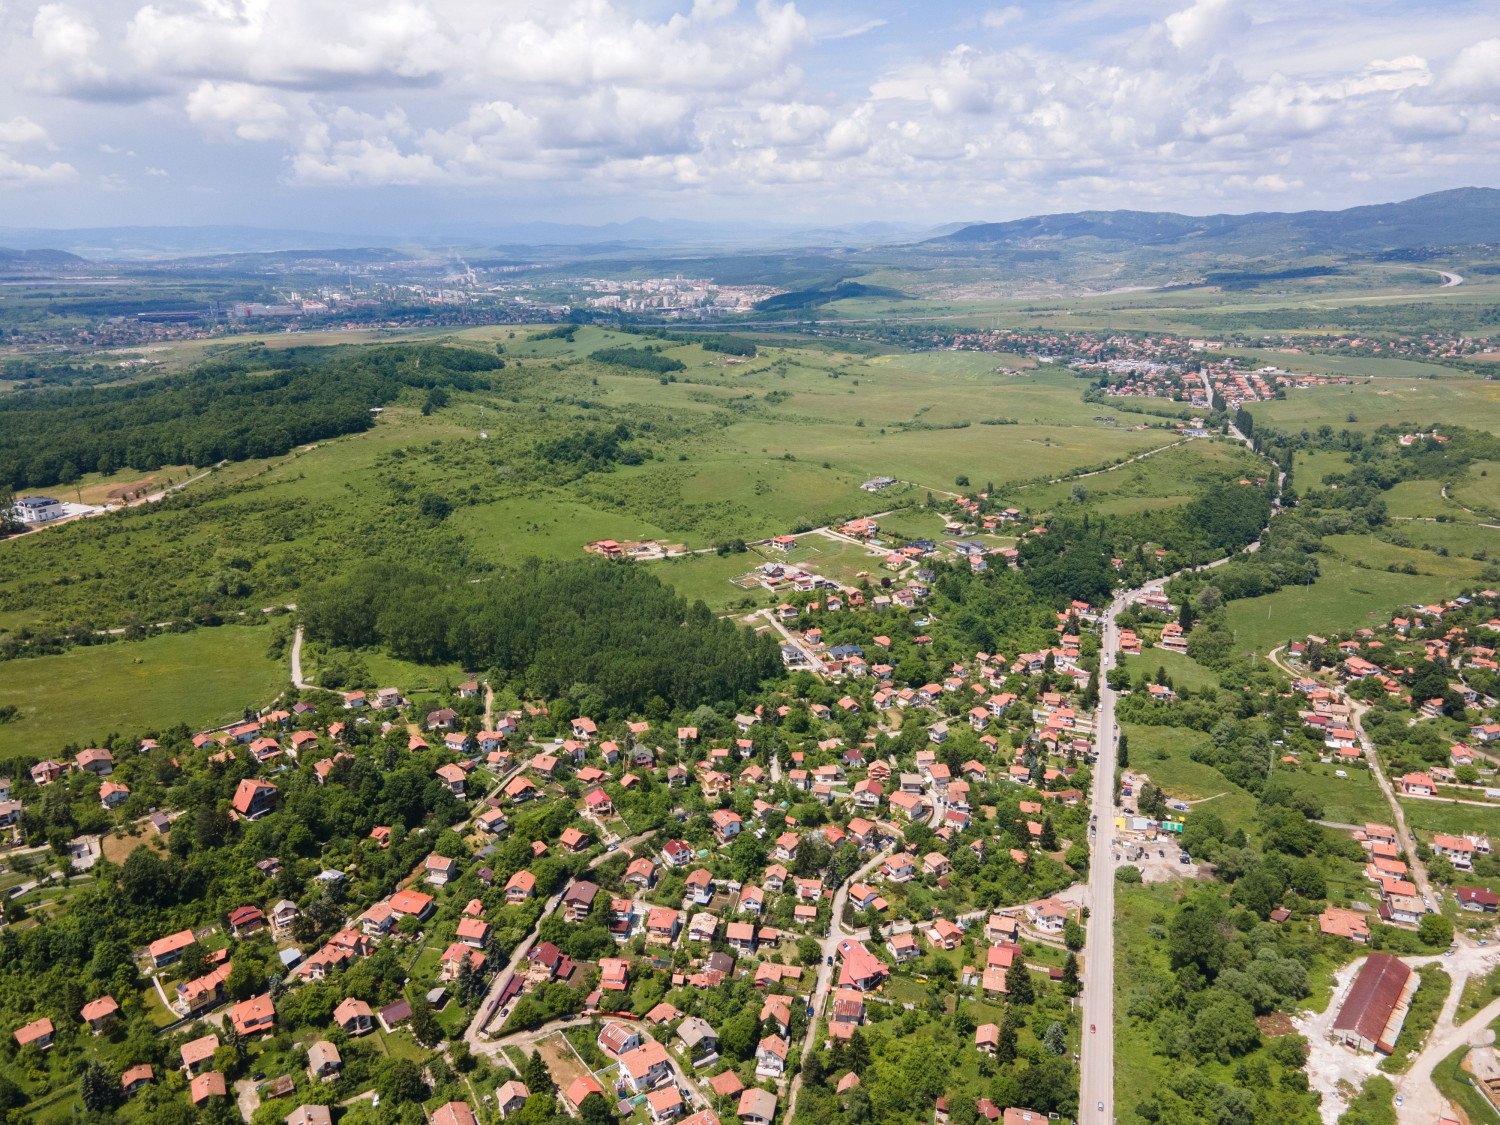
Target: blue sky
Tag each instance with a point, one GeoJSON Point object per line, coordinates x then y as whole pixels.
{"type": "Point", "coordinates": [385, 115]}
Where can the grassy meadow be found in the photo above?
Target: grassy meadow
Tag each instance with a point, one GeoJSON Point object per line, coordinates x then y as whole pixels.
{"type": "Point", "coordinates": [201, 678]}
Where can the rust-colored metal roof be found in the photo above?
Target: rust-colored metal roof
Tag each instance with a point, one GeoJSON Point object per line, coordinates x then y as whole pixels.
{"type": "Point", "coordinates": [1373, 998]}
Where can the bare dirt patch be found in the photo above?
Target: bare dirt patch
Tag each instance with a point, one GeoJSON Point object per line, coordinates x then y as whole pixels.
{"type": "Point", "coordinates": [561, 1062]}
{"type": "Point", "coordinates": [116, 848]}
{"type": "Point", "coordinates": [1276, 1025]}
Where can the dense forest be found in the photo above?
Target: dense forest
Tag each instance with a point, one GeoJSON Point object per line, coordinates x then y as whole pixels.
{"type": "Point", "coordinates": [227, 410]}
{"type": "Point", "coordinates": [609, 637]}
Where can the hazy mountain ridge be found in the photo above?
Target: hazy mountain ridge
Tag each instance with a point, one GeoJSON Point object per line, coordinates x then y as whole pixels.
{"type": "Point", "coordinates": [1460, 216]}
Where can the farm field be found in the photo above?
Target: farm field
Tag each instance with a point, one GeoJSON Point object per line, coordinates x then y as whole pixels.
{"type": "Point", "coordinates": [201, 678]}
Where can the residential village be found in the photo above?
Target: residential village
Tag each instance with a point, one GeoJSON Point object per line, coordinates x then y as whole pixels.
{"type": "Point", "coordinates": [706, 916]}
{"type": "Point", "coordinates": [675, 917]}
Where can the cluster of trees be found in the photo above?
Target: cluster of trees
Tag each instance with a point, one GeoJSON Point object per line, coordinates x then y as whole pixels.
{"type": "Point", "coordinates": [225, 410]}
{"type": "Point", "coordinates": [610, 638]}
{"type": "Point", "coordinates": [905, 1061]}
{"type": "Point", "coordinates": [1071, 561]}
{"type": "Point", "coordinates": [591, 450]}
{"type": "Point", "coordinates": [639, 359]}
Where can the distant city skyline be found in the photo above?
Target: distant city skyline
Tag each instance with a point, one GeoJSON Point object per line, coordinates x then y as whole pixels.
{"type": "Point", "coordinates": [394, 115]}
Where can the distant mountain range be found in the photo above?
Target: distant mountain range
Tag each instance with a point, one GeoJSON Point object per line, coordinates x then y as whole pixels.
{"type": "Point", "coordinates": [632, 237]}
{"type": "Point", "coordinates": [171, 241]}
{"type": "Point", "coordinates": [1091, 249]}
{"type": "Point", "coordinates": [1460, 216]}
{"type": "Point", "coordinates": [41, 257]}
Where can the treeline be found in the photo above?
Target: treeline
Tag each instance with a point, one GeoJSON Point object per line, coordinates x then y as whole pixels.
{"type": "Point", "coordinates": [725, 345]}
{"type": "Point", "coordinates": [610, 637]}
{"type": "Point", "coordinates": [639, 359]}
{"type": "Point", "coordinates": [226, 410]}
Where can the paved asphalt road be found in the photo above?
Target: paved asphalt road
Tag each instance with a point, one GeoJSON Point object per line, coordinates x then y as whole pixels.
{"type": "Point", "coordinates": [1098, 1055]}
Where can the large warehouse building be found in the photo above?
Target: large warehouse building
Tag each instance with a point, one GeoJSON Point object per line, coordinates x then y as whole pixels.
{"type": "Point", "coordinates": [1376, 1006]}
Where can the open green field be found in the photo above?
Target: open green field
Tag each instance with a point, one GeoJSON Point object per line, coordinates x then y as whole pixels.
{"type": "Point", "coordinates": [736, 449]}
{"type": "Point", "coordinates": [1459, 537]}
{"type": "Point", "coordinates": [1425, 817]}
{"type": "Point", "coordinates": [1181, 470]}
{"type": "Point", "coordinates": [1420, 499]}
{"type": "Point", "coordinates": [710, 578]}
{"type": "Point", "coordinates": [387, 670]}
{"type": "Point", "coordinates": [202, 678]}
{"type": "Point", "coordinates": [1368, 367]}
{"type": "Point", "coordinates": [1348, 800]}
{"type": "Point", "coordinates": [1164, 754]}
{"type": "Point", "coordinates": [1384, 296]}
{"type": "Point", "coordinates": [1310, 466]}
{"type": "Point", "coordinates": [1480, 488]}
{"type": "Point", "coordinates": [1346, 596]}
{"type": "Point", "coordinates": [1393, 402]}
{"type": "Point", "coordinates": [1184, 671]}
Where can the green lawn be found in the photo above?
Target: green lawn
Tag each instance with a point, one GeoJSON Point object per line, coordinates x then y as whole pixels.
{"type": "Point", "coordinates": [202, 678]}
{"type": "Point", "coordinates": [1184, 671]}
